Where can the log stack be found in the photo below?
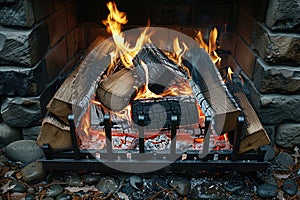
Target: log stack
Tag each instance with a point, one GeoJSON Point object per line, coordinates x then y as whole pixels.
{"type": "Point", "coordinates": [210, 92]}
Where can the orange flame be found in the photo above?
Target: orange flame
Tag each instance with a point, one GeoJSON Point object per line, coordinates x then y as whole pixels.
{"type": "Point", "coordinates": [229, 74]}
{"type": "Point", "coordinates": [212, 45]}
{"type": "Point", "coordinates": [113, 24]}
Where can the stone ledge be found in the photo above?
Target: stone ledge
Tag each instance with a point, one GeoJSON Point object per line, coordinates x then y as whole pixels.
{"type": "Point", "coordinates": [23, 47]}
{"type": "Point", "coordinates": [276, 79]}
{"type": "Point", "coordinates": [20, 81]}
{"type": "Point", "coordinates": [276, 48]}
{"type": "Point", "coordinates": [288, 135]}
{"type": "Point", "coordinates": [273, 109]}
{"type": "Point", "coordinates": [283, 15]}
{"type": "Point", "coordinates": [27, 111]}
{"type": "Point", "coordinates": [18, 14]}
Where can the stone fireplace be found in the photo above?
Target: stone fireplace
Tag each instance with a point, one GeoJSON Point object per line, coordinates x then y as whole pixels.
{"type": "Point", "coordinates": [42, 42]}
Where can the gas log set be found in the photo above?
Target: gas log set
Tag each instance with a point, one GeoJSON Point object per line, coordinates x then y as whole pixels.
{"type": "Point", "coordinates": [162, 100]}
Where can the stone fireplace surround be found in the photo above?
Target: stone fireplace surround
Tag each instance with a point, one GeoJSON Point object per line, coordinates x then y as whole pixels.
{"type": "Point", "coordinates": [42, 41]}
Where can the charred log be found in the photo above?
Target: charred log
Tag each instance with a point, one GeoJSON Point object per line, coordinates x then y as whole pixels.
{"type": "Point", "coordinates": [161, 70]}
{"type": "Point", "coordinates": [158, 112]}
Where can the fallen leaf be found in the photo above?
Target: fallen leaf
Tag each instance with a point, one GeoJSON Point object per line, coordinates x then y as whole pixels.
{"type": "Point", "coordinates": [122, 196]}
{"type": "Point", "coordinates": [281, 175]}
{"type": "Point", "coordinates": [18, 196]}
{"type": "Point", "coordinates": [280, 195]}
{"type": "Point", "coordinates": [84, 189]}
{"type": "Point", "coordinates": [4, 171]}
{"type": "Point", "coordinates": [296, 154]}
{"type": "Point", "coordinates": [19, 175]}
{"type": "Point", "coordinates": [9, 174]}
{"type": "Point", "coordinates": [5, 188]}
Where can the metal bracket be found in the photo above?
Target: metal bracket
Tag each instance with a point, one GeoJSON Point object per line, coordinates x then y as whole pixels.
{"type": "Point", "coordinates": [74, 137]}
{"type": "Point", "coordinates": [107, 127]}
{"type": "Point", "coordinates": [207, 132]}
{"type": "Point", "coordinates": [141, 122]}
{"type": "Point", "coordinates": [174, 124]}
{"type": "Point", "coordinates": [237, 137]}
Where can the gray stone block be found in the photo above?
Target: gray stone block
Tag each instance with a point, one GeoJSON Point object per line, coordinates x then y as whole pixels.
{"type": "Point", "coordinates": [31, 133]}
{"type": "Point", "coordinates": [9, 134]}
{"type": "Point", "coordinates": [21, 111]}
{"type": "Point", "coordinates": [24, 47]}
{"type": "Point", "coordinates": [283, 15]}
{"type": "Point", "coordinates": [273, 109]}
{"type": "Point", "coordinates": [276, 48]}
{"type": "Point", "coordinates": [17, 14]}
{"type": "Point", "coordinates": [276, 79]}
{"type": "Point", "coordinates": [288, 135]}
{"type": "Point", "coordinates": [27, 111]}
{"type": "Point", "coordinates": [20, 81]}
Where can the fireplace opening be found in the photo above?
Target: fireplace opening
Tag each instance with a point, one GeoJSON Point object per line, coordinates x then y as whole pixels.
{"type": "Point", "coordinates": [260, 45]}
{"type": "Point", "coordinates": [158, 98]}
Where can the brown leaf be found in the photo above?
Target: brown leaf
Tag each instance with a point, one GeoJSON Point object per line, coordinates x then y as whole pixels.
{"type": "Point", "coordinates": [5, 188]}
{"type": "Point", "coordinates": [84, 189]}
{"type": "Point", "coordinates": [4, 171]}
{"type": "Point", "coordinates": [9, 174]}
{"type": "Point", "coordinates": [122, 195]}
{"type": "Point", "coordinates": [19, 175]}
{"type": "Point", "coordinates": [281, 175]}
{"type": "Point", "coordinates": [18, 196]}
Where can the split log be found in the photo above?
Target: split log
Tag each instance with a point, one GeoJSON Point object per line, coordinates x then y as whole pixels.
{"type": "Point", "coordinates": [254, 134]}
{"type": "Point", "coordinates": [210, 91]}
{"type": "Point", "coordinates": [54, 133]}
{"type": "Point", "coordinates": [117, 91]}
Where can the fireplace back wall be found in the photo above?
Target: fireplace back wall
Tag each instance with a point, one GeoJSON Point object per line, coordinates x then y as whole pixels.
{"type": "Point", "coordinates": [42, 41]}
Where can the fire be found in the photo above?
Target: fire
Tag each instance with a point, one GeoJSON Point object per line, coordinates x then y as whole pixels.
{"type": "Point", "coordinates": [92, 137]}
{"type": "Point", "coordinates": [212, 45]}
{"type": "Point", "coordinates": [113, 23]}
{"type": "Point", "coordinates": [229, 74]}
{"type": "Point", "coordinates": [178, 51]}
